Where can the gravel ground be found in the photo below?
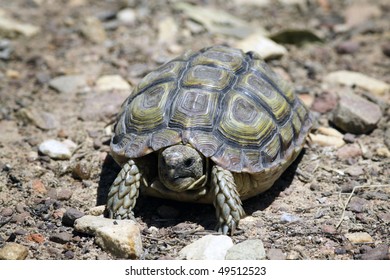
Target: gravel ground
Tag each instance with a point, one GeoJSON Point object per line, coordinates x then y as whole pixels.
{"type": "Point", "coordinates": [57, 65]}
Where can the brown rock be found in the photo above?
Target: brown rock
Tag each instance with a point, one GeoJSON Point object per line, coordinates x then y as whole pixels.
{"type": "Point", "coordinates": [275, 254]}
{"type": "Point", "coordinates": [64, 194]}
{"type": "Point", "coordinates": [325, 102]}
{"type": "Point", "coordinates": [328, 229]}
{"type": "Point", "coordinates": [355, 114]}
{"type": "Point", "coordinates": [355, 170]}
{"type": "Point", "coordinates": [35, 237]}
{"type": "Point", "coordinates": [349, 151]}
{"type": "Point", "coordinates": [359, 237]}
{"type": "Point", "coordinates": [347, 47]}
{"type": "Point", "coordinates": [38, 186]}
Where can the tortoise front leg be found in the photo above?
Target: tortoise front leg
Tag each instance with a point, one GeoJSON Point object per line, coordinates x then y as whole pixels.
{"type": "Point", "coordinates": [227, 202]}
{"type": "Point", "coordinates": [124, 192]}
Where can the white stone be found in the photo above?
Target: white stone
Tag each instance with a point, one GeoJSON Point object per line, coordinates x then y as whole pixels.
{"type": "Point", "coordinates": [264, 46]}
{"type": "Point", "coordinates": [209, 247]}
{"type": "Point", "coordinates": [167, 31]}
{"type": "Point", "coordinates": [56, 149]}
{"type": "Point", "coordinates": [121, 240]}
{"type": "Point", "coordinates": [350, 78]}
{"type": "Point", "coordinates": [89, 224]}
{"type": "Point", "coordinates": [97, 211]}
{"type": "Point", "coordinates": [127, 16]}
{"type": "Point", "coordinates": [112, 82]}
{"type": "Point", "coordinates": [326, 140]}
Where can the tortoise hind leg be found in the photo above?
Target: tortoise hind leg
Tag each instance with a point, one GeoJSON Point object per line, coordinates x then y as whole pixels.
{"type": "Point", "coordinates": [124, 192]}
{"type": "Point", "coordinates": [227, 202]}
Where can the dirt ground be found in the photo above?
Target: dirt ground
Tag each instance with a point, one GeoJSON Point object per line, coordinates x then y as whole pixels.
{"type": "Point", "coordinates": [301, 217]}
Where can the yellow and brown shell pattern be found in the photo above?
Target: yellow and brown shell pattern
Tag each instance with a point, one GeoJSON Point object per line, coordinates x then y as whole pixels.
{"type": "Point", "coordinates": [227, 104]}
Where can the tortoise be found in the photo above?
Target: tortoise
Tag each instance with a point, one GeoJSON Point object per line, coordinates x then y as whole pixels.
{"type": "Point", "coordinates": [213, 126]}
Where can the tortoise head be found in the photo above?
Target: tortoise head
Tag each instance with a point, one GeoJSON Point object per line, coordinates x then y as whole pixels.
{"type": "Point", "coordinates": [182, 168]}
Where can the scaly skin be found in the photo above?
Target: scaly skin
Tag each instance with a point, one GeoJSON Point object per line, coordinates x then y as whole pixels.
{"type": "Point", "coordinates": [124, 192]}
{"type": "Point", "coordinates": [227, 202]}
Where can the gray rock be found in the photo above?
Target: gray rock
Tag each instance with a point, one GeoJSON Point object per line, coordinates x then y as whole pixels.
{"type": "Point", "coordinates": [102, 105]}
{"type": "Point", "coordinates": [61, 237]}
{"type": "Point", "coordinates": [123, 240]}
{"type": "Point", "coordinates": [13, 251]}
{"type": "Point", "coordinates": [275, 254]}
{"type": "Point", "coordinates": [355, 114]}
{"type": "Point", "coordinates": [378, 253]}
{"type": "Point", "coordinates": [357, 204]}
{"type": "Point", "coordinates": [68, 83]}
{"type": "Point", "coordinates": [216, 21]}
{"type": "Point", "coordinates": [247, 250]}
{"type": "Point", "coordinates": [208, 247]}
{"type": "Point", "coordinates": [6, 212]}
{"type": "Point", "coordinates": [70, 216]}
{"type": "Point", "coordinates": [39, 118]}
{"type": "Point", "coordinates": [5, 49]}
{"type": "Point", "coordinates": [56, 149]}
{"type": "Point", "coordinates": [355, 170]}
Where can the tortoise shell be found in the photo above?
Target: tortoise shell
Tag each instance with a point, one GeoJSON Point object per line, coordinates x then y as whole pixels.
{"type": "Point", "coordinates": [227, 104]}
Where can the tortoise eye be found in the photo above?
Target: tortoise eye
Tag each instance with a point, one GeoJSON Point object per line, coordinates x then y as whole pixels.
{"type": "Point", "coordinates": [188, 162]}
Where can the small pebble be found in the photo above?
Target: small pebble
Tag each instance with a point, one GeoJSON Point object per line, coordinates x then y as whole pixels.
{"type": "Point", "coordinates": [68, 84]}
{"type": "Point", "coordinates": [64, 194]}
{"type": "Point", "coordinates": [329, 229]}
{"type": "Point", "coordinates": [38, 186]}
{"type": "Point", "coordinates": [112, 82]}
{"type": "Point", "coordinates": [127, 16]}
{"type": "Point", "coordinates": [6, 212]}
{"type": "Point", "coordinates": [340, 251]}
{"type": "Point", "coordinates": [347, 47]}
{"type": "Point", "coordinates": [349, 151]}
{"type": "Point", "coordinates": [81, 171]}
{"type": "Point", "coordinates": [289, 218]}
{"type": "Point", "coordinates": [62, 237]}
{"type": "Point", "coordinates": [69, 255]}
{"type": "Point", "coordinates": [70, 216]}
{"type": "Point", "coordinates": [36, 237]}
{"type": "Point", "coordinates": [56, 149]}
{"type": "Point", "coordinates": [355, 170]}
{"type": "Point", "coordinates": [357, 204]}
